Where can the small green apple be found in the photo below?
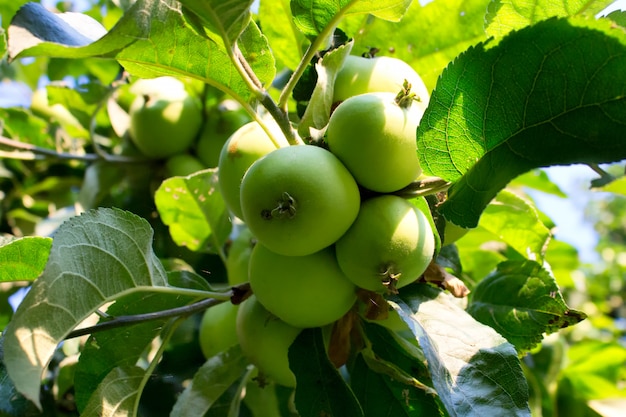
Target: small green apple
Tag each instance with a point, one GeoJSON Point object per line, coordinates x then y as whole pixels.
{"type": "Point", "coordinates": [164, 121]}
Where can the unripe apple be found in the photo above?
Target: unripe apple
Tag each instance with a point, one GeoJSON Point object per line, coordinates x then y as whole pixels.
{"type": "Point", "coordinates": [265, 341]}
{"type": "Point", "coordinates": [360, 75]}
{"type": "Point", "coordinates": [390, 245]}
{"type": "Point", "coordinates": [164, 121]}
{"type": "Point", "coordinates": [249, 143]}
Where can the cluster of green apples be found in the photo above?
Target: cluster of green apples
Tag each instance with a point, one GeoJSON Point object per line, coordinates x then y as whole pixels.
{"type": "Point", "coordinates": [323, 222]}
{"type": "Point", "coordinates": [169, 123]}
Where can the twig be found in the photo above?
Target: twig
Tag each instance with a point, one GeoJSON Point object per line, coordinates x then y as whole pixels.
{"type": "Point", "coordinates": [238, 293]}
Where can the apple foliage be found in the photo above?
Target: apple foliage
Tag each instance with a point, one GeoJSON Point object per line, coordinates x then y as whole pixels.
{"type": "Point", "coordinates": [93, 226]}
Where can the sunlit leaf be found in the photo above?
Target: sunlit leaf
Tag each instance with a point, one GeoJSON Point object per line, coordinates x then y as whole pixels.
{"type": "Point", "coordinates": [514, 220]}
{"type": "Point", "coordinates": [23, 259]}
{"type": "Point", "coordinates": [474, 370]}
{"type": "Point", "coordinates": [223, 20]}
{"type": "Point", "coordinates": [152, 38]}
{"type": "Point", "coordinates": [95, 258]}
{"type": "Point", "coordinates": [313, 16]}
{"type": "Point", "coordinates": [286, 40]}
{"type": "Point", "coordinates": [560, 109]}
{"type": "Point", "coordinates": [428, 37]}
{"type": "Point", "coordinates": [506, 15]}
{"type": "Point", "coordinates": [522, 302]}
{"type": "Point", "coordinates": [538, 180]}
{"type": "Point", "coordinates": [194, 210]}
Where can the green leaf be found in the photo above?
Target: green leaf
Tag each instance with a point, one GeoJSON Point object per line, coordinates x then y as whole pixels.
{"type": "Point", "coordinates": [538, 180]}
{"type": "Point", "coordinates": [102, 354]}
{"type": "Point", "coordinates": [431, 36]}
{"type": "Point", "coordinates": [117, 394]}
{"type": "Point", "coordinates": [286, 41]}
{"type": "Point", "coordinates": [514, 220]}
{"type": "Point", "coordinates": [12, 403]}
{"type": "Point", "coordinates": [617, 186]}
{"type": "Point", "coordinates": [506, 15]}
{"type": "Point", "coordinates": [521, 301]}
{"type": "Point", "coordinates": [390, 393]}
{"type": "Point", "coordinates": [23, 259]}
{"type": "Point", "coordinates": [565, 105]}
{"type": "Point", "coordinates": [95, 258]}
{"type": "Point", "coordinates": [194, 210]}
{"type": "Point", "coordinates": [474, 370]}
{"type": "Point", "coordinates": [382, 396]}
{"type": "Point", "coordinates": [318, 110]}
{"type": "Point", "coordinates": [223, 20]}
{"type": "Point", "coordinates": [21, 125]}
{"type": "Point", "coordinates": [210, 382]}
{"type": "Point", "coordinates": [313, 16]}
{"type": "Point", "coordinates": [320, 389]}
{"type": "Point", "coordinates": [153, 38]}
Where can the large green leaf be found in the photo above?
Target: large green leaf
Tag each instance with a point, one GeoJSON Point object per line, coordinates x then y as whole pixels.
{"type": "Point", "coordinates": [320, 390]}
{"type": "Point", "coordinates": [474, 370]}
{"type": "Point", "coordinates": [506, 15]}
{"type": "Point", "coordinates": [152, 38]}
{"type": "Point", "coordinates": [194, 210]}
{"type": "Point", "coordinates": [492, 119]}
{"type": "Point", "coordinates": [313, 16]}
{"type": "Point", "coordinates": [522, 302]}
{"type": "Point", "coordinates": [95, 258]}
{"type": "Point", "coordinates": [23, 259]}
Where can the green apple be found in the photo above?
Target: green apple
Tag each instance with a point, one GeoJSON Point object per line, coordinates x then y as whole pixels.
{"type": "Point", "coordinates": [373, 134]}
{"type": "Point", "coordinates": [265, 341]}
{"type": "Point", "coordinates": [218, 329]}
{"type": "Point", "coordinates": [389, 246]}
{"type": "Point", "coordinates": [183, 164]}
{"type": "Point", "coordinates": [303, 291]}
{"type": "Point", "coordinates": [360, 75]}
{"type": "Point", "coordinates": [164, 121]}
{"type": "Point", "coordinates": [299, 200]}
{"type": "Point", "coordinates": [249, 143]}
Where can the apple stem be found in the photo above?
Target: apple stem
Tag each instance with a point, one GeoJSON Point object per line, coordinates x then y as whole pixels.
{"type": "Point", "coordinates": [405, 97]}
{"type": "Point", "coordinates": [286, 208]}
{"type": "Point", "coordinates": [390, 278]}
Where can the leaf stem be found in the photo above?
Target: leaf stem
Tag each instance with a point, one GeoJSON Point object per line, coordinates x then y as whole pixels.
{"type": "Point", "coordinates": [183, 311]}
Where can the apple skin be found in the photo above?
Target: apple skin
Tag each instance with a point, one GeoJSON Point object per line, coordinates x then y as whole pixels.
{"type": "Point", "coordinates": [164, 122]}
{"type": "Point", "coordinates": [249, 143]}
{"type": "Point", "coordinates": [303, 291]}
{"type": "Point", "coordinates": [360, 75]}
{"type": "Point", "coordinates": [265, 341]}
{"type": "Point", "coordinates": [221, 123]}
{"type": "Point", "coordinates": [218, 329]}
{"type": "Point", "coordinates": [390, 236]}
{"type": "Point", "coordinates": [238, 258]}
{"type": "Point", "coordinates": [375, 138]}
{"type": "Point", "coordinates": [183, 164]}
{"type": "Point", "coordinates": [299, 200]}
